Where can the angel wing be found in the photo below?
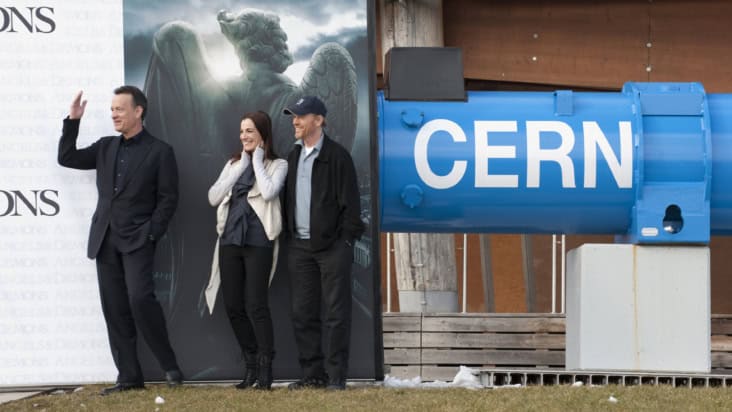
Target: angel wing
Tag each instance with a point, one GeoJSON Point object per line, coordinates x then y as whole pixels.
{"type": "Point", "coordinates": [196, 115]}
{"type": "Point", "coordinates": [331, 76]}
{"type": "Point", "coordinates": [186, 104]}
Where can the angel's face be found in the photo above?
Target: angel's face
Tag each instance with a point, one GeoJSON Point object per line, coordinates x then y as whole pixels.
{"type": "Point", "coordinates": [249, 135]}
{"type": "Point", "coordinates": [127, 117]}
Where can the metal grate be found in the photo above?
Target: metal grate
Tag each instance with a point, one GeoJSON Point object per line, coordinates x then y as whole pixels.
{"type": "Point", "coordinates": [549, 377]}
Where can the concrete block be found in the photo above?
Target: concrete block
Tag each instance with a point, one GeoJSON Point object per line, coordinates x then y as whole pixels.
{"type": "Point", "coordinates": [638, 308]}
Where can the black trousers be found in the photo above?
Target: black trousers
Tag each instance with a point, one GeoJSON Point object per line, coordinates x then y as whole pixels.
{"type": "Point", "coordinates": [320, 279]}
{"type": "Point", "coordinates": [128, 302]}
{"type": "Point", "coordinates": [245, 287]}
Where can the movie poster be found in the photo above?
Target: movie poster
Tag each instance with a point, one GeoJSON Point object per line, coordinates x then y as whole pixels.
{"type": "Point", "coordinates": [203, 65]}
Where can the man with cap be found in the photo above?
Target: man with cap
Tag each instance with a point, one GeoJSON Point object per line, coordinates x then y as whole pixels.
{"type": "Point", "coordinates": [322, 220]}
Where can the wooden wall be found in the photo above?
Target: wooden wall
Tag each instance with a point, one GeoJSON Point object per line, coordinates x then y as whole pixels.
{"type": "Point", "coordinates": [596, 45]}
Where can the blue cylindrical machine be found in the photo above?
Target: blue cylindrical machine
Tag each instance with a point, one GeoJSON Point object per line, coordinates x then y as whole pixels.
{"type": "Point", "coordinates": [651, 162]}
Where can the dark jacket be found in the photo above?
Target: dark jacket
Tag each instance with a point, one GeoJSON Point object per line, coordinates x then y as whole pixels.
{"type": "Point", "coordinates": [335, 208]}
{"type": "Point", "coordinates": [145, 202]}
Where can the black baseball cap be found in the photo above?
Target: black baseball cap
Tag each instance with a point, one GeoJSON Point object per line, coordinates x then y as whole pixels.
{"type": "Point", "coordinates": [306, 105]}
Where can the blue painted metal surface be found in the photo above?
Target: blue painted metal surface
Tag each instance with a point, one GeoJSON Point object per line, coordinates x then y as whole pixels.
{"type": "Point", "coordinates": [652, 163]}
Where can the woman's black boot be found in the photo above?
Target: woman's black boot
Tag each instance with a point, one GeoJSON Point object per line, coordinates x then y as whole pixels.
{"type": "Point", "coordinates": [264, 379]}
{"type": "Point", "coordinates": [250, 373]}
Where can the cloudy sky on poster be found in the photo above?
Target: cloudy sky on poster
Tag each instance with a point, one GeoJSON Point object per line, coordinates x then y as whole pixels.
{"type": "Point", "coordinates": [308, 24]}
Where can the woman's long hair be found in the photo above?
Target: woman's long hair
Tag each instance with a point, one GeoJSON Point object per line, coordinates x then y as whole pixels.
{"type": "Point", "coordinates": [263, 123]}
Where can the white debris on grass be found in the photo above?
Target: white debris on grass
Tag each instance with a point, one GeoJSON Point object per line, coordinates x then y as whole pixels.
{"type": "Point", "coordinates": [79, 389]}
{"type": "Point", "coordinates": [612, 399]}
{"type": "Point", "coordinates": [465, 378]}
{"type": "Point", "coordinates": [392, 382]}
{"type": "Point", "coordinates": [58, 392]}
{"type": "Point", "coordinates": [159, 400]}
{"type": "Point", "coordinates": [578, 383]}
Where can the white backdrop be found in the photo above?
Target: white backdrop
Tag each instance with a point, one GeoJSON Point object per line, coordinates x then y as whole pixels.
{"type": "Point", "coordinates": [51, 325]}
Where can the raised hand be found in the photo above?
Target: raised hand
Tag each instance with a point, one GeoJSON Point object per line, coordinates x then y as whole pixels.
{"type": "Point", "coordinates": [77, 107]}
{"type": "Point", "coordinates": [258, 154]}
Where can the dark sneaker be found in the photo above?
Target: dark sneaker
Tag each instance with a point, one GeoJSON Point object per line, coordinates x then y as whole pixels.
{"type": "Point", "coordinates": [336, 385]}
{"type": "Point", "coordinates": [308, 383]}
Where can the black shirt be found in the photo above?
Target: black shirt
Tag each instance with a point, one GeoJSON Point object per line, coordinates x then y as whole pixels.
{"type": "Point", "coordinates": [129, 149]}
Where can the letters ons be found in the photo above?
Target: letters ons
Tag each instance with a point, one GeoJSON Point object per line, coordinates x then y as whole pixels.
{"type": "Point", "coordinates": [27, 19]}
{"type": "Point", "coordinates": [29, 203]}
{"type": "Point", "coordinates": [594, 139]}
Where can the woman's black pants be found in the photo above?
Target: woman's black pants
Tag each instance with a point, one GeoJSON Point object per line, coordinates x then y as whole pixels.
{"type": "Point", "coordinates": [245, 287]}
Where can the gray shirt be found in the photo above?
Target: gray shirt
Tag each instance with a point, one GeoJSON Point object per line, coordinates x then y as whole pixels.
{"type": "Point", "coordinates": [303, 188]}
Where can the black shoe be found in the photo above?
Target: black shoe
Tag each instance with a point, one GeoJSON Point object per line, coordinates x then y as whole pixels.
{"type": "Point", "coordinates": [308, 383]}
{"type": "Point", "coordinates": [121, 387]}
{"type": "Point", "coordinates": [174, 378]}
{"type": "Point", "coordinates": [336, 385]}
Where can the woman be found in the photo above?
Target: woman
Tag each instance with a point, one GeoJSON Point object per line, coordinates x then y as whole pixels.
{"type": "Point", "coordinates": [248, 224]}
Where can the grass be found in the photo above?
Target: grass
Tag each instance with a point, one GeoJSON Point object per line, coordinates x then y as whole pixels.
{"type": "Point", "coordinates": [374, 398]}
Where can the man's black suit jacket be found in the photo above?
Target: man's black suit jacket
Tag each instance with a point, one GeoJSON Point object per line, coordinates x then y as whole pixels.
{"type": "Point", "coordinates": [140, 210]}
